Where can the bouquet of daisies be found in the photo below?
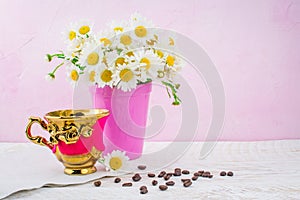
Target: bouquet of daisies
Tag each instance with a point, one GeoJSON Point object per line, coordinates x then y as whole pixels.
{"type": "Point", "coordinates": [125, 55]}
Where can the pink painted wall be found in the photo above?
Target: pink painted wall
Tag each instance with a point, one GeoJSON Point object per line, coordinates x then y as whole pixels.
{"type": "Point", "coordinates": [255, 45]}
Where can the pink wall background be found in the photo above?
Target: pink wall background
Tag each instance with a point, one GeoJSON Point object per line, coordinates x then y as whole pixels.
{"type": "Point", "coordinates": [254, 44]}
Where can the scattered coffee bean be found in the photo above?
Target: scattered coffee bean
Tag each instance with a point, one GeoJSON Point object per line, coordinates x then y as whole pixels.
{"type": "Point", "coordinates": [185, 172]}
{"type": "Point", "coordinates": [141, 167]}
{"type": "Point", "coordinates": [163, 187]}
{"type": "Point", "coordinates": [197, 174]}
{"type": "Point", "coordinates": [222, 173]}
{"type": "Point", "coordinates": [185, 179]}
{"type": "Point", "coordinates": [161, 174]}
{"type": "Point", "coordinates": [117, 180]}
{"type": "Point", "coordinates": [194, 178]}
{"type": "Point", "coordinates": [167, 177]}
{"type": "Point", "coordinates": [210, 176]}
{"type": "Point", "coordinates": [201, 171]}
{"type": "Point", "coordinates": [126, 184]}
{"type": "Point", "coordinates": [230, 173]}
{"type": "Point", "coordinates": [151, 175]}
{"type": "Point", "coordinates": [177, 172]}
{"type": "Point", "coordinates": [205, 174]}
{"type": "Point", "coordinates": [154, 182]}
{"type": "Point", "coordinates": [187, 183]}
{"type": "Point", "coordinates": [143, 187]}
{"type": "Point", "coordinates": [144, 191]}
{"type": "Point", "coordinates": [170, 183]}
{"type": "Point", "coordinates": [97, 183]}
{"type": "Point", "coordinates": [136, 177]}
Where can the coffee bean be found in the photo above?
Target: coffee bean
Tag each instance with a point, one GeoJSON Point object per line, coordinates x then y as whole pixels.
{"type": "Point", "coordinates": [197, 174]}
{"type": "Point", "coordinates": [161, 174]}
{"type": "Point", "coordinates": [97, 183]}
{"type": "Point", "coordinates": [210, 176]}
{"type": "Point", "coordinates": [143, 187]}
{"type": "Point", "coordinates": [136, 177]}
{"type": "Point", "coordinates": [144, 191]}
{"type": "Point", "coordinates": [194, 178]}
{"type": "Point", "coordinates": [201, 171]}
{"type": "Point", "coordinates": [206, 174]}
{"type": "Point", "coordinates": [167, 177]}
{"type": "Point", "coordinates": [163, 187]}
{"type": "Point", "coordinates": [154, 182]}
{"type": "Point", "coordinates": [151, 175]}
{"type": "Point", "coordinates": [177, 173]}
{"type": "Point", "coordinates": [230, 173]}
{"type": "Point", "coordinates": [170, 183]}
{"type": "Point", "coordinates": [117, 180]}
{"type": "Point", "coordinates": [126, 184]}
{"type": "Point", "coordinates": [222, 173]}
{"type": "Point", "coordinates": [185, 179]}
{"type": "Point", "coordinates": [187, 183]}
{"type": "Point", "coordinates": [141, 167]}
{"type": "Point", "coordinates": [185, 172]}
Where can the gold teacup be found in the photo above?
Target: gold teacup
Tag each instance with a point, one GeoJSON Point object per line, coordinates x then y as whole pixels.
{"type": "Point", "coordinates": [76, 137]}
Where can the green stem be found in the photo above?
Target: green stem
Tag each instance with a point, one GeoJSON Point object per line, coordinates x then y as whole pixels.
{"type": "Point", "coordinates": [56, 68]}
{"type": "Point", "coordinates": [174, 92]}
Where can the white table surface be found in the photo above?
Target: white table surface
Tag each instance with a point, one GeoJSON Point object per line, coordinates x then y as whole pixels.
{"type": "Point", "coordinates": [262, 170]}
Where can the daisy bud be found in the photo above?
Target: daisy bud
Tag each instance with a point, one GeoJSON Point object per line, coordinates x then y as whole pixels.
{"type": "Point", "coordinates": [50, 77]}
{"type": "Point", "coordinates": [175, 103]}
{"type": "Point", "coordinates": [48, 57]}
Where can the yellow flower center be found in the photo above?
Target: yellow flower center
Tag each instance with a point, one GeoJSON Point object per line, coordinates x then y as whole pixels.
{"type": "Point", "coordinates": [115, 163]}
{"type": "Point", "coordinates": [106, 76]}
{"type": "Point", "coordinates": [118, 28]}
{"type": "Point", "coordinates": [92, 76]}
{"type": "Point", "coordinates": [130, 53]}
{"type": "Point", "coordinates": [93, 58]}
{"type": "Point", "coordinates": [140, 31]}
{"type": "Point", "coordinates": [125, 39]}
{"type": "Point", "coordinates": [105, 41]}
{"type": "Point", "coordinates": [147, 62]}
{"type": "Point", "coordinates": [126, 75]}
{"type": "Point", "coordinates": [84, 30]}
{"type": "Point", "coordinates": [74, 75]}
{"type": "Point", "coordinates": [170, 60]}
{"type": "Point", "coordinates": [171, 41]}
{"type": "Point", "coordinates": [120, 61]}
{"type": "Point", "coordinates": [159, 53]}
{"type": "Point", "coordinates": [72, 35]}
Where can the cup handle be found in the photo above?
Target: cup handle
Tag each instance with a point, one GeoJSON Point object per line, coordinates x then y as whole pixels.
{"type": "Point", "coordinates": [37, 139]}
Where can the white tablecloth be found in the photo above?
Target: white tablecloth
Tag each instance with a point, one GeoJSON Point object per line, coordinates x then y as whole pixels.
{"type": "Point", "coordinates": [262, 170]}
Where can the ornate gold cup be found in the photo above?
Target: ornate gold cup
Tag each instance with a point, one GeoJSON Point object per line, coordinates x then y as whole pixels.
{"type": "Point", "coordinates": [76, 137]}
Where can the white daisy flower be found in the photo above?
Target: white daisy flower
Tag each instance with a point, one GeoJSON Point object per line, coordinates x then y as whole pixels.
{"type": "Point", "coordinates": [104, 76]}
{"type": "Point", "coordinates": [92, 54]}
{"type": "Point", "coordinates": [173, 65]}
{"type": "Point", "coordinates": [126, 76]}
{"type": "Point", "coordinates": [150, 64]}
{"type": "Point", "coordinates": [125, 40]}
{"type": "Point", "coordinates": [73, 73]}
{"type": "Point", "coordinates": [84, 28]}
{"type": "Point", "coordinates": [116, 160]}
{"type": "Point", "coordinates": [70, 33]}
{"type": "Point", "coordinates": [141, 27]}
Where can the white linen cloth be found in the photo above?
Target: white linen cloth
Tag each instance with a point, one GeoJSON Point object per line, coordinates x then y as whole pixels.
{"type": "Point", "coordinates": [262, 170]}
